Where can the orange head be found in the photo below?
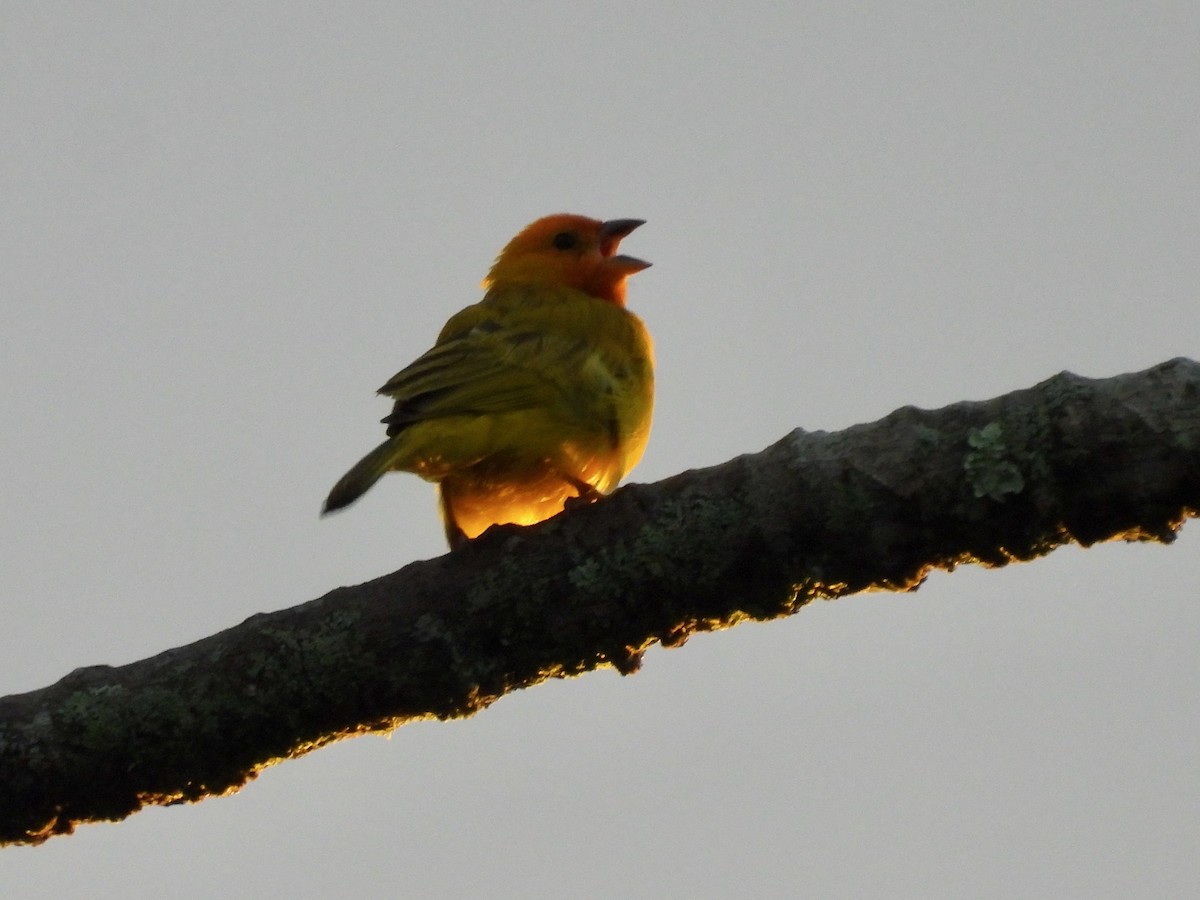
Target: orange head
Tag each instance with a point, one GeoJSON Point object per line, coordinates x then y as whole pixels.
{"type": "Point", "coordinates": [570, 251]}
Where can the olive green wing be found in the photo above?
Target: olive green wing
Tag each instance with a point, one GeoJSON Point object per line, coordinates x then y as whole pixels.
{"type": "Point", "coordinates": [490, 358]}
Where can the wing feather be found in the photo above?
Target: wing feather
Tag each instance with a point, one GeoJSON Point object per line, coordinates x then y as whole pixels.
{"type": "Point", "coordinates": [491, 358]}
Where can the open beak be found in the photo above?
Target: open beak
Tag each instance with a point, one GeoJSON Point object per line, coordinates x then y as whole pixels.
{"type": "Point", "coordinates": [611, 233]}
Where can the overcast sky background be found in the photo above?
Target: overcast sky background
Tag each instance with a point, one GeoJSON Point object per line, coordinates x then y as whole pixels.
{"type": "Point", "coordinates": [223, 225]}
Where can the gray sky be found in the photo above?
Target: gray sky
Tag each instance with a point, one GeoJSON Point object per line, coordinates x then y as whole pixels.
{"type": "Point", "coordinates": [225, 224]}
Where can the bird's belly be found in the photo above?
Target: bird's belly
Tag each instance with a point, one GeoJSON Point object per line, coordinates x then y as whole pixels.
{"type": "Point", "coordinates": [500, 491]}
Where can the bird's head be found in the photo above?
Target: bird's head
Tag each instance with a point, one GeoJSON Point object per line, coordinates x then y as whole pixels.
{"type": "Point", "coordinates": [571, 251]}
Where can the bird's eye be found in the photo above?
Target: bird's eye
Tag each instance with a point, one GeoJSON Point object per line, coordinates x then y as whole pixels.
{"type": "Point", "coordinates": [564, 240]}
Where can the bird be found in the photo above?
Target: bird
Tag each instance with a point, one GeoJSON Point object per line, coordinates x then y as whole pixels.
{"type": "Point", "coordinates": [537, 397]}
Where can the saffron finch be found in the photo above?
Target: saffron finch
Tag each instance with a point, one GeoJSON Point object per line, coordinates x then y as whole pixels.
{"type": "Point", "coordinates": [539, 393]}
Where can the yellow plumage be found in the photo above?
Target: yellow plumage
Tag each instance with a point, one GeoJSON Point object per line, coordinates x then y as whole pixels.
{"type": "Point", "coordinates": [539, 393]}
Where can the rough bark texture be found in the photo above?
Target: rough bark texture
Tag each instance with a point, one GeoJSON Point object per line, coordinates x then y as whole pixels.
{"type": "Point", "coordinates": [815, 515]}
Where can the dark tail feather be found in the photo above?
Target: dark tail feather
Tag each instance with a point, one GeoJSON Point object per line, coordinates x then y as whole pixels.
{"type": "Point", "coordinates": [359, 479]}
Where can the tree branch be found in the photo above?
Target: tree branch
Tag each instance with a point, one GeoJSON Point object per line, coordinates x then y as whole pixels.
{"type": "Point", "coordinates": [815, 515]}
